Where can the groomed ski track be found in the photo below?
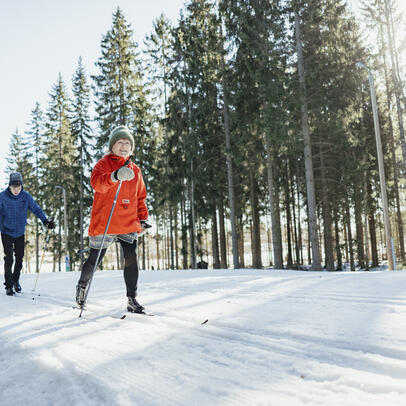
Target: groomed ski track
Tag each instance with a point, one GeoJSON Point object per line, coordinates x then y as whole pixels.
{"type": "Point", "coordinates": [272, 337]}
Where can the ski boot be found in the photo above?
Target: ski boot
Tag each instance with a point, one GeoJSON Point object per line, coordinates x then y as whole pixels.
{"type": "Point", "coordinates": [10, 291]}
{"type": "Point", "coordinates": [80, 294]}
{"type": "Point", "coordinates": [133, 306]}
{"type": "Point", "coordinates": [17, 287]}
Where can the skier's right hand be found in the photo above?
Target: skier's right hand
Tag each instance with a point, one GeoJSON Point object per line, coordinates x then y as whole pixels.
{"type": "Point", "coordinates": [122, 174]}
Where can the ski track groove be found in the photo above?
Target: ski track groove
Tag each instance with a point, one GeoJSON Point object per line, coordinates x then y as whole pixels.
{"type": "Point", "coordinates": [155, 396]}
{"type": "Point", "coordinates": [360, 299]}
{"type": "Point", "coordinates": [274, 336]}
{"type": "Point", "coordinates": [336, 352]}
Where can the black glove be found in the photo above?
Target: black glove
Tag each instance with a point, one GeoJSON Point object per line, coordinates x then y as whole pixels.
{"type": "Point", "coordinates": [145, 224]}
{"type": "Point", "coordinates": [50, 224]}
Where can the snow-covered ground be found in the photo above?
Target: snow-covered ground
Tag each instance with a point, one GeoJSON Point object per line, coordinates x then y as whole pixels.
{"type": "Point", "coordinates": [271, 338]}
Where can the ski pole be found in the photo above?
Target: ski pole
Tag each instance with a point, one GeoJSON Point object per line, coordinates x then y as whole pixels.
{"type": "Point", "coordinates": [102, 243]}
{"type": "Point", "coordinates": [42, 258]}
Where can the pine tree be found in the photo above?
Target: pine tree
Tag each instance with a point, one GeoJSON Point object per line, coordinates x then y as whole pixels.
{"type": "Point", "coordinates": [59, 155]}
{"type": "Point", "coordinates": [34, 151]}
{"type": "Point", "coordinates": [119, 89]}
{"type": "Point", "coordinates": [257, 62]}
{"type": "Point", "coordinates": [16, 153]}
{"type": "Point", "coordinates": [82, 137]}
{"type": "Point", "coordinates": [163, 179]}
{"type": "Point", "coordinates": [195, 98]}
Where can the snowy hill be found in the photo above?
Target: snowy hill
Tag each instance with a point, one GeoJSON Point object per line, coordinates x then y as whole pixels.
{"type": "Point", "coordinates": [271, 338]}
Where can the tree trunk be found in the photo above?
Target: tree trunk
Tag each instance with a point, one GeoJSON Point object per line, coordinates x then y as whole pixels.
{"type": "Point", "coordinates": [327, 220]}
{"type": "Point", "coordinates": [176, 239]}
{"type": "Point", "coordinates": [269, 240]}
{"type": "Point", "coordinates": [214, 237]}
{"type": "Point", "coordinates": [372, 228]}
{"type": "Point", "coordinates": [295, 224]}
{"type": "Point", "coordinates": [256, 229]}
{"type": "Point", "coordinates": [241, 251]}
{"type": "Point", "coordinates": [366, 243]}
{"type": "Point", "coordinates": [349, 232]}
{"type": "Point", "coordinates": [230, 180]}
{"type": "Point", "coordinates": [192, 225]}
{"type": "Point", "coordinates": [359, 229]}
{"type": "Point", "coordinates": [37, 246]}
{"type": "Point", "coordinates": [157, 249]}
{"type": "Point", "coordinates": [299, 220]}
{"type": "Point", "coordinates": [311, 195]}
{"type": "Point", "coordinates": [274, 206]}
{"type": "Point", "coordinates": [143, 252]}
{"type": "Point", "coordinates": [399, 223]}
{"type": "Point", "coordinates": [168, 247]}
{"type": "Point", "coordinates": [184, 234]}
{"type": "Point", "coordinates": [289, 263]}
{"type": "Point", "coordinates": [347, 255]}
{"type": "Point", "coordinates": [171, 236]}
{"type": "Point", "coordinates": [337, 242]}
{"type": "Point", "coordinates": [223, 245]}
{"type": "Point", "coordinates": [117, 256]}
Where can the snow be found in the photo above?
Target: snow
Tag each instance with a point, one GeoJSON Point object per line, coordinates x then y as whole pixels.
{"type": "Point", "coordinates": [272, 337]}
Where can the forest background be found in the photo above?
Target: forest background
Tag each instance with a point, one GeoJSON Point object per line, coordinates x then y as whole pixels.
{"type": "Point", "coordinates": [253, 128]}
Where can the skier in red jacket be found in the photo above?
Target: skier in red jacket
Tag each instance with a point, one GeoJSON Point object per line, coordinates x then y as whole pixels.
{"type": "Point", "coordinates": [129, 216]}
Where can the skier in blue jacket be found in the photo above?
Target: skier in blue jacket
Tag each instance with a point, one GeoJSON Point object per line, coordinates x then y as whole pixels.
{"type": "Point", "coordinates": [14, 204]}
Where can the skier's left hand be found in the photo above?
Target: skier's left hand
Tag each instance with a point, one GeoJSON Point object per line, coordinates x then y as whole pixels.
{"type": "Point", "coordinates": [50, 224]}
{"type": "Point", "coordinates": [145, 225]}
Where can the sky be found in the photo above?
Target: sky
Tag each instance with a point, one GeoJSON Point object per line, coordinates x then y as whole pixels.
{"type": "Point", "coordinates": [40, 39]}
{"type": "Point", "coordinates": [218, 337]}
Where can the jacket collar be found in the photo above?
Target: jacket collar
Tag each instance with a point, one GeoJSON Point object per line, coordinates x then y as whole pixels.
{"type": "Point", "coordinates": [120, 160]}
{"type": "Point", "coordinates": [11, 196]}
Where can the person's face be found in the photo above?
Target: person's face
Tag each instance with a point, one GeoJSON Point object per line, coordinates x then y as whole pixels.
{"type": "Point", "coordinates": [122, 148]}
{"type": "Point", "coordinates": [15, 189]}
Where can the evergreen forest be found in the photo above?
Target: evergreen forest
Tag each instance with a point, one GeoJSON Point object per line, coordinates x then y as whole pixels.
{"type": "Point", "coordinates": [255, 131]}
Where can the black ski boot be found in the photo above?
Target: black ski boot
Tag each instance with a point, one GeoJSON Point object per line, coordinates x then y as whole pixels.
{"type": "Point", "coordinates": [133, 306]}
{"type": "Point", "coordinates": [10, 291]}
{"type": "Point", "coordinates": [17, 287]}
{"type": "Point", "coordinates": [80, 294]}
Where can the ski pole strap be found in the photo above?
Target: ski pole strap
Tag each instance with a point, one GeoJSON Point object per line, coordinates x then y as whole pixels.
{"type": "Point", "coordinates": [127, 161]}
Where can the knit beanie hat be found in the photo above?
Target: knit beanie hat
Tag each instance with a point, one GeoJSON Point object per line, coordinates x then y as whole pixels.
{"type": "Point", "coordinates": [119, 133]}
{"type": "Point", "coordinates": [15, 179]}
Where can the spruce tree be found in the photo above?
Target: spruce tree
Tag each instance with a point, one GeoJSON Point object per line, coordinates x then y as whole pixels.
{"type": "Point", "coordinates": [82, 138]}
{"type": "Point", "coordinates": [120, 93]}
{"type": "Point", "coordinates": [59, 155]}
{"type": "Point", "coordinates": [34, 150]}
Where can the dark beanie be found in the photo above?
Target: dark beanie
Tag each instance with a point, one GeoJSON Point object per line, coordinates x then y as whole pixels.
{"type": "Point", "coordinates": [15, 179]}
{"type": "Point", "coordinates": [119, 133]}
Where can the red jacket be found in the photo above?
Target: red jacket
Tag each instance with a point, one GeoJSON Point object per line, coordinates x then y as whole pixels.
{"type": "Point", "coordinates": [130, 207]}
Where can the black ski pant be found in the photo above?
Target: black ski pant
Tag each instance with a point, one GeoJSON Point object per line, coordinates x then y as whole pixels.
{"type": "Point", "coordinates": [130, 266]}
{"type": "Point", "coordinates": [12, 247]}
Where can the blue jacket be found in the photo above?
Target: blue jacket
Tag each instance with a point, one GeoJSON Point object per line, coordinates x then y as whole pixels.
{"type": "Point", "coordinates": [13, 212]}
